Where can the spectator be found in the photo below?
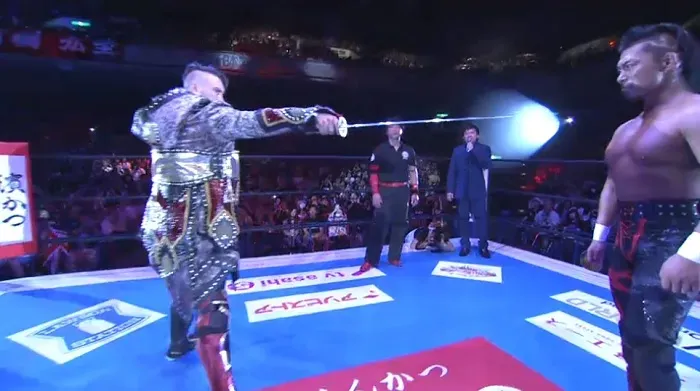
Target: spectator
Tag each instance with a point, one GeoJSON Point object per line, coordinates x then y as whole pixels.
{"type": "Point", "coordinates": [572, 221]}
{"type": "Point", "coordinates": [338, 233]}
{"type": "Point", "coordinates": [318, 235]}
{"type": "Point", "coordinates": [547, 217]}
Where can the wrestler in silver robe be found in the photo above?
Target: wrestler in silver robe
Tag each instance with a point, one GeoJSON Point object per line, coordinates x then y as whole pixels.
{"type": "Point", "coordinates": [189, 227]}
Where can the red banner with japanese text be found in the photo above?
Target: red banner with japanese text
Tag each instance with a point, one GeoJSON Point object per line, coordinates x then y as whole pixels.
{"type": "Point", "coordinates": [474, 365]}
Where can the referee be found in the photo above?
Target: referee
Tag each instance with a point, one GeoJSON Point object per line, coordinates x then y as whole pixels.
{"type": "Point", "coordinates": [394, 180]}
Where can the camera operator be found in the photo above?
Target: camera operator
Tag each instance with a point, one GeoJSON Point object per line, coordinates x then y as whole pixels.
{"type": "Point", "coordinates": [435, 237]}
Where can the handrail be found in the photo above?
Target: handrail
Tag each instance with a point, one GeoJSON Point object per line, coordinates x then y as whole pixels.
{"type": "Point", "coordinates": [252, 157]}
{"type": "Point", "coordinates": [545, 195]}
{"type": "Point", "coordinates": [587, 236]}
{"type": "Point", "coordinates": [549, 161]}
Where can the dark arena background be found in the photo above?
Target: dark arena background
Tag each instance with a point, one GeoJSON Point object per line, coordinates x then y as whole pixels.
{"type": "Point", "coordinates": [82, 309]}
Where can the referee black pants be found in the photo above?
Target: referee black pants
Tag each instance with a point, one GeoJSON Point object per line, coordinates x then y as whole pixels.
{"type": "Point", "coordinates": [391, 217]}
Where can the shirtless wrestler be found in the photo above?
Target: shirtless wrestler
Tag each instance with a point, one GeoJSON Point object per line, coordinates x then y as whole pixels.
{"type": "Point", "coordinates": [653, 188]}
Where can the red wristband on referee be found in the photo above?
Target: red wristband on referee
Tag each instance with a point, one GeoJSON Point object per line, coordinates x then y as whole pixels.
{"type": "Point", "coordinates": [374, 183]}
{"type": "Point", "coordinates": [414, 188]}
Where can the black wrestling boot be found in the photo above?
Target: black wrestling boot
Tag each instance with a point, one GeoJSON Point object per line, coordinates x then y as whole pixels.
{"type": "Point", "coordinates": [177, 351]}
{"type": "Point", "coordinates": [464, 251]}
{"type": "Point", "coordinates": [180, 344]}
{"type": "Point", "coordinates": [484, 252]}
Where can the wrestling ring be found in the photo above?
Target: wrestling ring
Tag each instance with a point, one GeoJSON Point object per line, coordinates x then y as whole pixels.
{"type": "Point", "coordinates": [530, 318]}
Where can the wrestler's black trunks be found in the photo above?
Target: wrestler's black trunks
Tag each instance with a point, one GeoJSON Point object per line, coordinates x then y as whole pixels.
{"type": "Point", "coordinates": [650, 317]}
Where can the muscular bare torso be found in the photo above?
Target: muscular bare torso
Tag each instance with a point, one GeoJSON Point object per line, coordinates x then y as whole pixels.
{"type": "Point", "coordinates": [649, 158]}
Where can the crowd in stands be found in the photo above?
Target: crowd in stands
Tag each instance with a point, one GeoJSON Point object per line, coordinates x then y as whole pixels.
{"type": "Point", "coordinates": [267, 41]}
{"type": "Point", "coordinates": [562, 215]}
{"type": "Point", "coordinates": [93, 199]}
{"type": "Point", "coordinates": [88, 198]}
{"type": "Point", "coordinates": [557, 226]}
{"type": "Point", "coordinates": [261, 41]}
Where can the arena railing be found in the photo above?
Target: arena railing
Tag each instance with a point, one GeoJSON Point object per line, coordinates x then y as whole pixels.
{"type": "Point", "coordinates": [513, 185]}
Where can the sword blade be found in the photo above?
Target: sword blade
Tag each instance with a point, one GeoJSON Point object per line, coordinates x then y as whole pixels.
{"type": "Point", "coordinates": [425, 121]}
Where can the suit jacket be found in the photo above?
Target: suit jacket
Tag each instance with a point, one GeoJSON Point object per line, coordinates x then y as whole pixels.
{"type": "Point", "coordinates": [465, 177]}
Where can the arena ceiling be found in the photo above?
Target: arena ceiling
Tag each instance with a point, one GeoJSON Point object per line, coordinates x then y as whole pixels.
{"type": "Point", "coordinates": [430, 27]}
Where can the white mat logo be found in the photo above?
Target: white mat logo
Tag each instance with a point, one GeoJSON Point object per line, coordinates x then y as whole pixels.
{"type": "Point", "coordinates": [688, 340]}
{"type": "Point", "coordinates": [74, 335]}
{"type": "Point", "coordinates": [97, 326]}
{"type": "Point", "coordinates": [601, 343]}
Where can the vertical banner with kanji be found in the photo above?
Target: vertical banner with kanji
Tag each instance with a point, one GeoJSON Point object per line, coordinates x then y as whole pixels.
{"type": "Point", "coordinates": [17, 224]}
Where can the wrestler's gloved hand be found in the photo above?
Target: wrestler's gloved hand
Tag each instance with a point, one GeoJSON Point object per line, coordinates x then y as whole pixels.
{"type": "Point", "coordinates": [329, 123]}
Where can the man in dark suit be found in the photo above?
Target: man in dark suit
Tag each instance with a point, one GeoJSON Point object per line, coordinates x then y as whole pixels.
{"type": "Point", "coordinates": [467, 182]}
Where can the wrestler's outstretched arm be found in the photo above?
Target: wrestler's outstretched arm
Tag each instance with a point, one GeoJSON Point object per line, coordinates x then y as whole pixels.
{"type": "Point", "coordinates": [228, 123]}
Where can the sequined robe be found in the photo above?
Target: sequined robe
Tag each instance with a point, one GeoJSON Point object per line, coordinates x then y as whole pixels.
{"type": "Point", "coordinates": [189, 227]}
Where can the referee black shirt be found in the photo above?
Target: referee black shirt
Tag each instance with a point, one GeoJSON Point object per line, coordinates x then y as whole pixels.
{"type": "Point", "coordinates": [390, 164]}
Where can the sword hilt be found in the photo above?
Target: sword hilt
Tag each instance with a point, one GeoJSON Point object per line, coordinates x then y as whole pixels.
{"type": "Point", "coordinates": [342, 127]}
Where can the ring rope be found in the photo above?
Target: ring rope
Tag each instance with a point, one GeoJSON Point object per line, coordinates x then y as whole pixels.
{"type": "Point", "coordinates": [313, 157]}
{"type": "Point", "coordinates": [280, 193]}
{"type": "Point", "coordinates": [440, 190]}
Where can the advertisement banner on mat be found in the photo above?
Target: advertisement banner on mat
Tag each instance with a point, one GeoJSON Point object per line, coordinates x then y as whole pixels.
{"type": "Point", "coordinates": [315, 302]}
{"type": "Point", "coordinates": [600, 343]}
{"type": "Point", "coordinates": [475, 364]}
{"type": "Point", "coordinates": [688, 340]}
{"type": "Point", "coordinates": [469, 271]}
{"type": "Point", "coordinates": [17, 220]}
{"type": "Point", "coordinates": [298, 280]}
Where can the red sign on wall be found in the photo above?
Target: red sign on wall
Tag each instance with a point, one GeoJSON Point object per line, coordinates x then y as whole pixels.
{"type": "Point", "coordinates": [59, 44]}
